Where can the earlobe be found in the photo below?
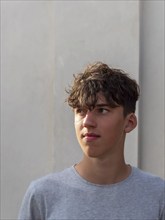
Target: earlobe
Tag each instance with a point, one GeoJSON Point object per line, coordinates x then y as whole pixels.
{"type": "Point", "coordinates": [131, 122]}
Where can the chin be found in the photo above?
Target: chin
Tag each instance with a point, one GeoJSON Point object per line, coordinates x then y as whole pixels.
{"type": "Point", "coordinates": [92, 154]}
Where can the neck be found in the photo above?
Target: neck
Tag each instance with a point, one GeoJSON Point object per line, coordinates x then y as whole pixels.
{"type": "Point", "coordinates": [100, 171]}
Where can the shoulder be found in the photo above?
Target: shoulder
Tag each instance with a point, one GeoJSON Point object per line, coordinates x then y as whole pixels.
{"type": "Point", "coordinates": [41, 192]}
{"type": "Point", "coordinates": [149, 181]}
{"type": "Point", "coordinates": [151, 187]}
{"type": "Point", "coordinates": [51, 182]}
{"type": "Point", "coordinates": [147, 176]}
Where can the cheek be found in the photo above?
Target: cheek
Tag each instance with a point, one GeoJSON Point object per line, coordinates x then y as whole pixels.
{"type": "Point", "coordinates": [113, 128]}
{"type": "Point", "coordinates": [77, 125]}
{"type": "Point", "coordinates": [77, 121]}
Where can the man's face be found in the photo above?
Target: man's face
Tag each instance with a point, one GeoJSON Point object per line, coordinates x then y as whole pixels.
{"type": "Point", "coordinates": [100, 131]}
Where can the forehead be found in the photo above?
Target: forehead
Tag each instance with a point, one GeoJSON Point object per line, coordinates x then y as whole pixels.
{"type": "Point", "coordinates": [101, 99]}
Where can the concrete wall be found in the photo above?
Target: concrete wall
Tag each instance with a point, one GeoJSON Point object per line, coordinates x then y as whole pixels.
{"type": "Point", "coordinates": [152, 104]}
{"type": "Point", "coordinates": [43, 44]}
{"type": "Point", "coordinates": [27, 102]}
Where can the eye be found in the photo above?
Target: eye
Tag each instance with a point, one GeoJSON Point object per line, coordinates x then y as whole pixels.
{"type": "Point", "coordinates": [102, 110]}
{"type": "Point", "coordinates": [80, 111]}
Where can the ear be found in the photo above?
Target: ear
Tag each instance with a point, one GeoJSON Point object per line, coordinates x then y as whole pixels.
{"type": "Point", "coordinates": [131, 122]}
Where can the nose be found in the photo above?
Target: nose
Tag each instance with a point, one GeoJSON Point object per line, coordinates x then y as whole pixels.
{"type": "Point", "coordinates": [89, 120]}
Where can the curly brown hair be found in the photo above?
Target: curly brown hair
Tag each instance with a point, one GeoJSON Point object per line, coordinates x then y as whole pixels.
{"type": "Point", "coordinates": [114, 84]}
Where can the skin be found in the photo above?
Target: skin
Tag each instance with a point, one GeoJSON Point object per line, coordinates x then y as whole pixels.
{"type": "Point", "coordinates": [101, 134]}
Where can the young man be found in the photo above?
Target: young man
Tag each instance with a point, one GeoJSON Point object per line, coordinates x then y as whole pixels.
{"type": "Point", "coordinates": [101, 186]}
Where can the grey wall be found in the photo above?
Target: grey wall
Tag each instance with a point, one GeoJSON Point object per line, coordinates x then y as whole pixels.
{"type": "Point", "coordinates": [152, 104]}
{"type": "Point", "coordinates": [27, 102]}
{"type": "Point", "coordinates": [43, 44]}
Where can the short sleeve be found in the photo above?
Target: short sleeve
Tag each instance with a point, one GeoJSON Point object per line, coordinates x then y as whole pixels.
{"type": "Point", "coordinates": [162, 213]}
{"type": "Point", "coordinates": [31, 207]}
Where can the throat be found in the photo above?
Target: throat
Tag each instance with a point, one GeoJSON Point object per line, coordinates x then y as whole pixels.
{"type": "Point", "coordinates": [99, 174]}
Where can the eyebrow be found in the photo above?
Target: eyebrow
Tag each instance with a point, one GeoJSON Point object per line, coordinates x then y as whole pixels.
{"type": "Point", "coordinates": [97, 105]}
{"type": "Point", "coordinates": [106, 105]}
{"type": "Point", "coordinates": [102, 105]}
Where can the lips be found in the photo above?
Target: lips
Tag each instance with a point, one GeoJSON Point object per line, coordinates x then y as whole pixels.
{"type": "Point", "coordinates": [90, 136]}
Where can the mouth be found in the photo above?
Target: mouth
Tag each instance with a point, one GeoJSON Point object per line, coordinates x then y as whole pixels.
{"type": "Point", "coordinates": [90, 137]}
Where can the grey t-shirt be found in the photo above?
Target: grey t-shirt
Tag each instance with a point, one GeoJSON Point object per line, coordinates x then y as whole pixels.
{"type": "Point", "coordinates": [67, 196]}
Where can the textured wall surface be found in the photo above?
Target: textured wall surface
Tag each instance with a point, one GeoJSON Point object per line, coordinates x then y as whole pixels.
{"type": "Point", "coordinates": [27, 102]}
{"type": "Point", "coordinates": [152, 105]}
